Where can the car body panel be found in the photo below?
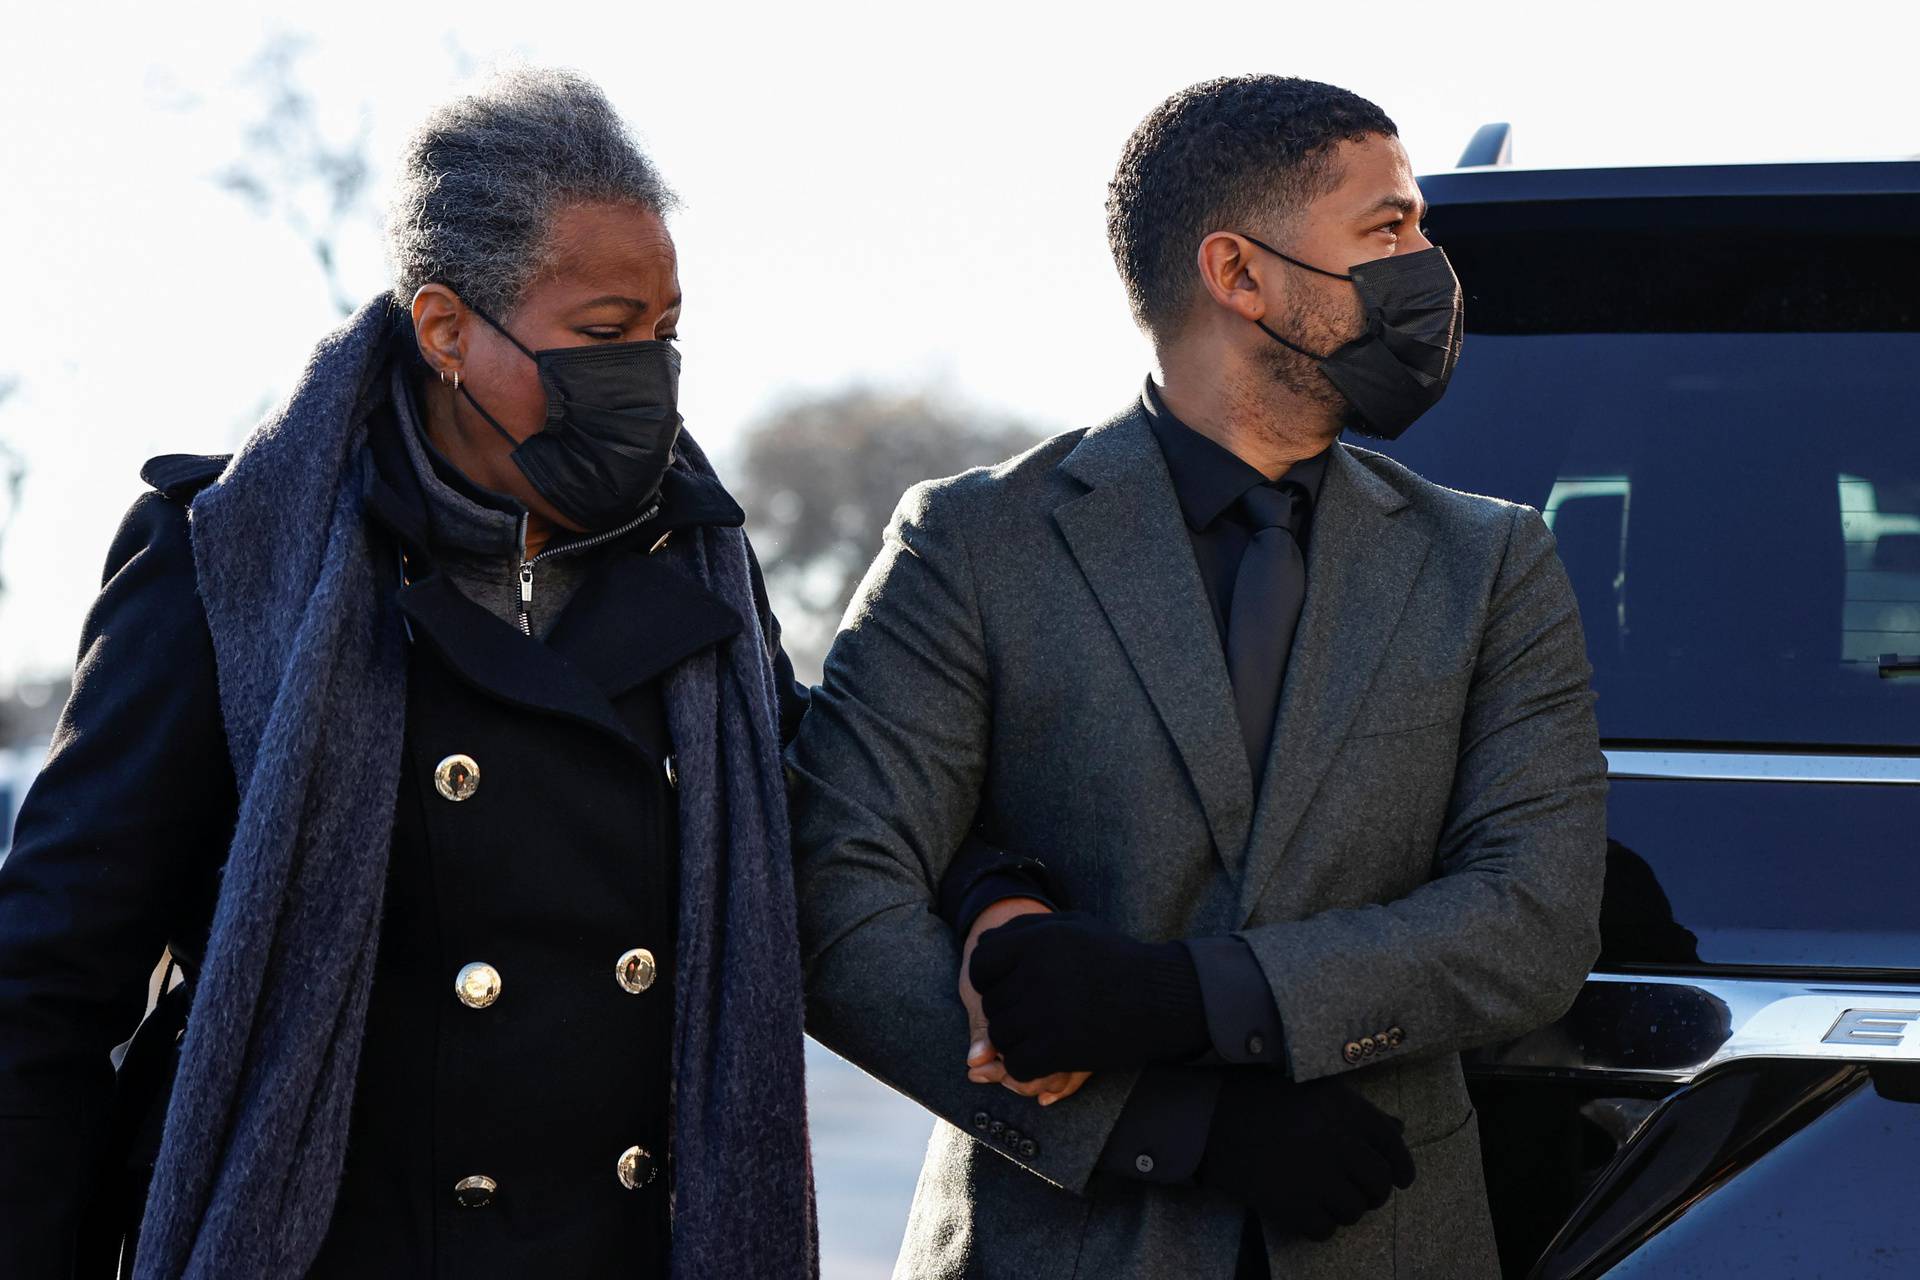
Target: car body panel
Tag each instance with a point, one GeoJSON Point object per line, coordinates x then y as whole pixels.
{"type": "Point", "coordinates": [1707, 378]}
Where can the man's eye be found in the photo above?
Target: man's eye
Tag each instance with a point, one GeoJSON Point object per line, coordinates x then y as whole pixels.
{"type": "Point", "coordinates": [601, 334]}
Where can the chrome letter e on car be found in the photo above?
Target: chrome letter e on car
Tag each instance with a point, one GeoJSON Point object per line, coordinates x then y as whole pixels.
{"type": "Point", "coordinates": [1884, 1027]}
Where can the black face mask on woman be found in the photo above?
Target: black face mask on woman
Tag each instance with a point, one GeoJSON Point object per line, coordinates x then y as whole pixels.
{"type": "Point", "coordinates": [1399, 367]}
{"type": "Point", "coordinates": [612, 423]}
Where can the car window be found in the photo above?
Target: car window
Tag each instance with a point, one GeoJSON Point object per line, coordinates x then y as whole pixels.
{"type": "Point", "coordinates": [1738, 513]}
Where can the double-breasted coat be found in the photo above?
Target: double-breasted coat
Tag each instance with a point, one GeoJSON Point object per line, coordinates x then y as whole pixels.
{"type": "Point", "coordinates": [513, 1093]}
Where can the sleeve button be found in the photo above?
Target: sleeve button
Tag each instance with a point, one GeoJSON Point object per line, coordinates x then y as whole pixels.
{"type": "Point", "coordinates": [1352, 1052]}
{"type": "Point", "coordinates": [981, 1120]}
{"type": "Point", "coordinates": [1029, 1148]}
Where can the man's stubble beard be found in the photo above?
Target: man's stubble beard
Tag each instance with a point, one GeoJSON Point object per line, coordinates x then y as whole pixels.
{"type": "Point", "coordinates": [1312, 327]}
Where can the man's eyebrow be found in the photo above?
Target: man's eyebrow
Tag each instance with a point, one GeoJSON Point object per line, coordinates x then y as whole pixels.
{"type": "Point", "coordinates": [1403, 204]}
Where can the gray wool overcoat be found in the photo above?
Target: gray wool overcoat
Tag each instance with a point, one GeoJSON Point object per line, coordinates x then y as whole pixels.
{"type": "Point", "coordinates": [1033, 650]}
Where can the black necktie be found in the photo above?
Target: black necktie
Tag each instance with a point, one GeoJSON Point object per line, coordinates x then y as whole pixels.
{"type": "Point", "coordinates": [1267, 594]}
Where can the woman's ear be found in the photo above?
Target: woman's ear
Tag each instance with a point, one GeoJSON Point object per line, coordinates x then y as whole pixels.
{"type": "Point", "coordinates": [439, 326]}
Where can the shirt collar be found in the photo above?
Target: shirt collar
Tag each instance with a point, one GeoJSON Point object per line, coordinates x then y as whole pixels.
{"type": "Point", "coordinates": [1207, 477]}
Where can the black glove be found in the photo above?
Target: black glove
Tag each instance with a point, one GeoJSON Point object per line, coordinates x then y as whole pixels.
{"type": "Point", "coordinates": [1063, 992]}
{"type": "Point", "coordinates": [1309, 1157]}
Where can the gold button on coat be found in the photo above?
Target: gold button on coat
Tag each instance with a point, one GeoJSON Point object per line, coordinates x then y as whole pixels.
{"type": "Point", "coordinates": [475, 1192]}
{"type": "Point", "coordinates": [457, 777]}
{"type": "Point", "coordinates": [477, 985]}
{"type": "Point", "coordinates": [635, 971]}
{"type": "Point", "coordinates": [636, 1168]}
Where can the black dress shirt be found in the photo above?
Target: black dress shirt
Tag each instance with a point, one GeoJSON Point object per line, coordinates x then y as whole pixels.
{"type": "Point", "coordinates": [1208, 480]}
{"type": "Point", "coordinates": [1161, 1133]}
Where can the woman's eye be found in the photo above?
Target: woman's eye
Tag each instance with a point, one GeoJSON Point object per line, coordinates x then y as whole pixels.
{"type": "Point", "coordinates": [602, 334]}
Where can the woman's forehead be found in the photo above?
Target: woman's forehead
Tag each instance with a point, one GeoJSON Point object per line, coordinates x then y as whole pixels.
{"type": "Point", "coordinates": [613, 248]}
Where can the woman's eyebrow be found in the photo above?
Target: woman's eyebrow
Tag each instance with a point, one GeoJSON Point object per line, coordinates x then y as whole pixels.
{"type": "Point", "coordinates": [637, 305]}
{"type": "Point", "coordinates": [617, 299]}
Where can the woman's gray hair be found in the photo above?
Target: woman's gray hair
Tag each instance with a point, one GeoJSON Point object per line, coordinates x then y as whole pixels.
{"type": "Point", "coordinates": [484, 174]}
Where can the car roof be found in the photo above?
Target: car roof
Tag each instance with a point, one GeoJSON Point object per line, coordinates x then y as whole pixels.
{"type": "Point", "coordinates": [1501, 184]}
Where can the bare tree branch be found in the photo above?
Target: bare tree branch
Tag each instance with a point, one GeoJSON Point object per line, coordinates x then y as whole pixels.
{"type": "Point", "coordinates": [290, 169]}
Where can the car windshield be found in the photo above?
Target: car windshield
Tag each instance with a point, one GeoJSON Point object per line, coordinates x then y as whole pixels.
{"type": "Point", "coordinates": [1739, 514]}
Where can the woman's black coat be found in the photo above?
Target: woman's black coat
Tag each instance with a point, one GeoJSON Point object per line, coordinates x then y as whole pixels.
{"type": "Point", "coordinates": [559, 863]}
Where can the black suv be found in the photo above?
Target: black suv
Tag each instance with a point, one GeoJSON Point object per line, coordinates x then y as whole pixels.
{"type": "Point", "coordinates": [1708, 380]}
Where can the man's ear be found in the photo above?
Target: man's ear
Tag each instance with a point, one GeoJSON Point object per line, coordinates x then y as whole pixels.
{"type": "Point", "coordinates": [1236, 277]}
{"type": "Point", "coordinates": [439, 325]}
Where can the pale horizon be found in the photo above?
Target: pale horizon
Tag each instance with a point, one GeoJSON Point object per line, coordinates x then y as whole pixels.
{"type": "Point", "coordinates": [897, 196]}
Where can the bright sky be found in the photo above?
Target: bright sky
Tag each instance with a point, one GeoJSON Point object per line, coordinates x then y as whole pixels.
{"type": "Point", "coordinates": [898, 193]}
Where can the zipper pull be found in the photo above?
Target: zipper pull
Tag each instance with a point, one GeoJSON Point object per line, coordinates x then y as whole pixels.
{"type": "Point", "coordinates": [526, 583]}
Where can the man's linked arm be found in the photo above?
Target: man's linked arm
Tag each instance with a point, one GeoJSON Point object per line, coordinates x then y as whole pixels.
{"type": "Point", "coordinates": [888, 767]}
{"type": "Point", "coordinates": [1500, 941]}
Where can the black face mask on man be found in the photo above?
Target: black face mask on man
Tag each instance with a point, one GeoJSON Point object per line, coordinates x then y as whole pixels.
{"type": "Point", "coordinates": [612, 423]}
{"type": "Point", "coordinates": [1398, 368]}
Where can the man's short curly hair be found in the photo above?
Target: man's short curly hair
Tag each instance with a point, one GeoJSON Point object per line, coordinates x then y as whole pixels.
{"type": "Point", "coordinates": [1226, 154]}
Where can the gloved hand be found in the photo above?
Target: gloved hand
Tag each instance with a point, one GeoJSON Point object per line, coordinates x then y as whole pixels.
{"type": "Point", "coordinates": [1063, 992]}
{"type": "Point", "coordinates": [1309, 1157]}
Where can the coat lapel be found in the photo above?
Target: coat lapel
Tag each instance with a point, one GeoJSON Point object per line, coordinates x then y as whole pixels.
{"type": "Point", "coordinates": [1131, 543]}
{"type": "Point", "coordinates": [1361, 565]}
{"type": "Point", "coordinates": [496, 659]}
{"type": "Point", "coordinates": [636, 617]}
{"type": "Point", "coordinates": [633, 618]}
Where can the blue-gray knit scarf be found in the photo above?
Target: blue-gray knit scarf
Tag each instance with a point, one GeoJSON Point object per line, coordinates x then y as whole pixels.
{"type": "Point", "coordinates": [312, 673]}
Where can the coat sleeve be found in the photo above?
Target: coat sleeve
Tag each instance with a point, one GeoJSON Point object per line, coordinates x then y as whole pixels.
{"type": "Point", "coordinates": [118, 841]}
{"type": "Point", "coordinates": [1499, 942]}
{"type": "Point", "coordinates": [888, 768]}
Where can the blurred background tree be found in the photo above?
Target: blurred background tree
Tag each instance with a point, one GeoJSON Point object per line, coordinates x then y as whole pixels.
{"type": "Point", "coordinates": [13, 474]}
{"type": "Point", "coordinates": [294, 168]}
{"type": "Point", "coordinates": [819, 477]}
{"type": "Point", "coordinates": [27, 709]}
